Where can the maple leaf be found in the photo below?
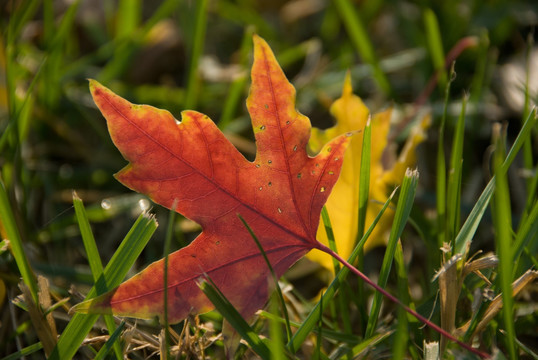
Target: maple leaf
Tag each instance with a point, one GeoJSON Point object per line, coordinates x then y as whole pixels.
{"type": "Point", "coordinates": [191, 167]}
{"type": "Point", "coordinates": [343, 204]}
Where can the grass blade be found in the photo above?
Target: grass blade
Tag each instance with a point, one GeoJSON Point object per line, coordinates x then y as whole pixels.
{"type": "Point", "coordinates": [65, 27]}
{"type": "Point", "coordinates": [467, 231]}
{"type": "Point", "coordinates": [370, 343]}
{"type": "Point", "coordinates": [532, 191]}
{"type": "Point", "coordinates": [319, 337]}
{"type": "Point", "coordinates": [364, 190]}
{"type": "Point", "coordinates": [275, 279]}
{"type": "Point", "coordinates": [112, 341]}
{"type": "Point", "coordinates": [128, 17]}
{"type": "Point", "coordinates": [94, 260]}
{"type": "Point", "coordinates": [402, 329]}
{"type": "Point", "coordinates": [528, 230]}
{"type": "Point", "coordinates": [364, 177]}
{"type": "Point", "coordinates": [441, 171]}
{"type": "Point", "coordinates": [20, 17]}
{"type": "Point", "coordinates": [238, 85]}
{"type": "Point", "coordinates": [454, 177]}
{"type": "Point", "coordinates": [343, 298]}
{"type": "Point", "coordinates": [87, 237]}
{"type": "Point", "coordinates": [330, 235]}
{"type": "Point", "coordinates": [29, 350]}
{"type": "Point", "coordinates": [245, 14]}
{"type": "Point", "coordinates": [327, 333]}
{"type": "Point", "coordinates": [197, 48]}
{"type": "Point", "coordinates": [435, 45]}
{"type": "Point", "coordinates": [359, 37]}
{"type": "Point", "coordinates": [234, 318]}
{"type": "Point", "coordinates": [118, 266]}
{"type": "Point", "coordinates": [523, 135]}
{"type": "Point", "coordinates": [503, 240]}
{"type": "Point", "coordinates": [275, 332]}
{"type": "Point", "coordinates": [7, 220]}
{"type": "Point", "coordinates": [126, 39]}
{"type": "Point", "coordinates": [403, 209]}
{"type": "Point", "coordinates": [527, 146]}
{"type": "Point", "coordinates": [167, 246]}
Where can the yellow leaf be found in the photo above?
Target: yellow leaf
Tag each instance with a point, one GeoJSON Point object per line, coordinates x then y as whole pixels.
{"type": "Point", "coordinates": [343, 204]}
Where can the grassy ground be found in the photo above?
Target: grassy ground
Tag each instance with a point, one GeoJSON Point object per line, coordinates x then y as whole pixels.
{"type": "Point", "coordinates": [195, 55]}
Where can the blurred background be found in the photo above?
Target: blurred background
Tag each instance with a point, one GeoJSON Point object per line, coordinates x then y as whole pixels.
{"type": "Point", "coordinates": [179, 55]}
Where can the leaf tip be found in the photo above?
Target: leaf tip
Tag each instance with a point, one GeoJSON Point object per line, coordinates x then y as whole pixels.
{"type": "Point", "coordinates": [411, 173]}
{"type": "Point", "coordinates": [256, 38]}
{"type": "Point", "coordinates": [259, 43]}
{"type": "Point", "coordinates": [82, 308]}
{"type": "Point", "coordinates": [96, 305]}
{"type": "Point", "coordinates": [93, 84]}
{"type": "Point", "coordinates": [96, 89]}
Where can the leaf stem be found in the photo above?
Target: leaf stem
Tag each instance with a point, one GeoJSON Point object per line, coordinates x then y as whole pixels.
{"type": "Point", "coordinates": [391, 297]}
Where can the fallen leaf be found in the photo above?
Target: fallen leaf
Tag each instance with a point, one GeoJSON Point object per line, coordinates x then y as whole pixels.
{"type": "Point", "coordinates": [343, 204]}
{"type": "Point", "coordinates": [191, 167]}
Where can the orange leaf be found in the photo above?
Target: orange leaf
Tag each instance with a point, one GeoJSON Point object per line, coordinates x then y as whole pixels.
{"type": "Point", "coordinates": [190, 166]}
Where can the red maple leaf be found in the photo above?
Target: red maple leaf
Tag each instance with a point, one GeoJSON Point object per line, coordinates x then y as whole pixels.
{"type": "Point", "coordinates": [191, 167]}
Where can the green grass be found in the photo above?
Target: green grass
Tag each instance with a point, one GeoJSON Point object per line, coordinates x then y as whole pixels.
{"type": "Point", "coordinates": [118, 266]}
{"type": "Point", "coordinates": [476, 191]}
{"type": "Point", "coordinates": [235, 319]}
{"type": "Point", "coordinates": [94, 260]}
{"type": "Point", "coordinates": [310, 321]}
{"type": "Point", "coordinates": [504, 239]}
{"type": "Point", "coordinates": [403, 210]}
